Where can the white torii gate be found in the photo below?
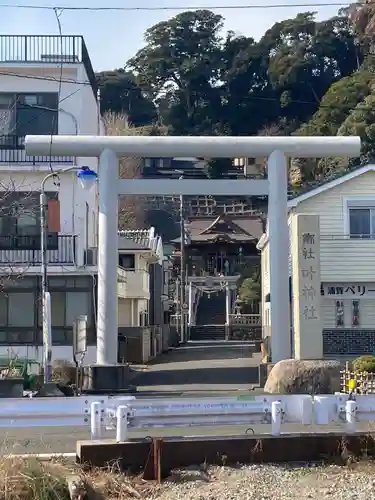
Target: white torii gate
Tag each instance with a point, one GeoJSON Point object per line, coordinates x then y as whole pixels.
{"type": "Point", "coordinates": [108, 148]}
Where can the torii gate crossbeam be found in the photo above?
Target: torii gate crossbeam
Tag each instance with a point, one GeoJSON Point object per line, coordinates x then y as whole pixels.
{"type": "Point", "coordinates": [109, 148]}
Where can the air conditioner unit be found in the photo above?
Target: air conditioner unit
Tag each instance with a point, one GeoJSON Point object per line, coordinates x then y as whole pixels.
{"type": "Point", "coordinates": [91, 257]}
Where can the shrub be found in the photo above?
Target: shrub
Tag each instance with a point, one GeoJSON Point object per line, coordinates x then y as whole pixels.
{"type": "Point", "coordinates": [364, 364]}
{"type": "Point", "coordinates": [63, 371]}
{"type": "Point", "coordinates": [31, 480]}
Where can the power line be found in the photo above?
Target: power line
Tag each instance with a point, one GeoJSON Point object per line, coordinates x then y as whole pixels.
{"type": "Point", "coordinates": [87, 83]}
{"type": "Point", "coordinates": [186, 7]}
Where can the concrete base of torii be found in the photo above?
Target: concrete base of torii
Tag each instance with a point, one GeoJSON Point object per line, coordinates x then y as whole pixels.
{"type": "Point", "coordinates": [104, 379]}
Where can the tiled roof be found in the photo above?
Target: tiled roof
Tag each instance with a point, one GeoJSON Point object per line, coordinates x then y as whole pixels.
{"type": "Point", "coordinates": [141, 239]}
{"type": "Point", "coordinates": [240, 228]}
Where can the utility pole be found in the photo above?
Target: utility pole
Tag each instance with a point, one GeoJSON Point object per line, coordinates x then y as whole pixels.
{"type": "Point", "coordinates": [182, 264]}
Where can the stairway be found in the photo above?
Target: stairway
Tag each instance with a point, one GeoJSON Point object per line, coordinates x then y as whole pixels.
{"type": "Point", "coordinates": [211, 310]}
{"type": "Point", "coordinates": [207, 332]}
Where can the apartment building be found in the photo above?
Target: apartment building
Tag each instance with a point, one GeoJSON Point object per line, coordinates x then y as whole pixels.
{"type": "Point", "coordinates": [47, 86]}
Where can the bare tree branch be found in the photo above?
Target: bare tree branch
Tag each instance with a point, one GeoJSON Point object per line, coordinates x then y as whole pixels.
{"type": "Point", "coordinates": [131, 209]}
{"type": "Point", "coordinates": [18, 200]}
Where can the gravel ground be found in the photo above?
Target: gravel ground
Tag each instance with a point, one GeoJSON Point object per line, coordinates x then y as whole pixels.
{"type": "Point", "coordinates": [266, 482]}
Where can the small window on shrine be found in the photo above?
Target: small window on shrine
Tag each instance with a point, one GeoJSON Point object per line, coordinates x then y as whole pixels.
{"type": "Point", "coordinates": [355, 313]}
{"type": "Point", "coordinates": [339, 313]}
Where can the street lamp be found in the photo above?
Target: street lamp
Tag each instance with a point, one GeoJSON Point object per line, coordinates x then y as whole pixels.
{"type": "Point", "coordinates": [182, 263]}
{"type": "Point", "coordinates": [86, 176]}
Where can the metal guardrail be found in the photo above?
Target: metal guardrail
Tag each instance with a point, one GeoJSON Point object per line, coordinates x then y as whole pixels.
{"type": "Point", "coordinates": [126, 413]}
{"type": "Point", "coordinates": [47, 49]}
{"type": "Point", "coordinates": [50, 412]}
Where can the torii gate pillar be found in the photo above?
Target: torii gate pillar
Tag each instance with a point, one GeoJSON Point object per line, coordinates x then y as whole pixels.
{"type": "Point", "coordinates": [277, 149]}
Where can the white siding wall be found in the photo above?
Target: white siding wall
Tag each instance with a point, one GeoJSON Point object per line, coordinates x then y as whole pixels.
{"type": "Point", "coordinates": [125, 313]}
{"type": "Point", "coordinates": [367, 313]}
{"type": "Point", "coordinates": [342, 259]}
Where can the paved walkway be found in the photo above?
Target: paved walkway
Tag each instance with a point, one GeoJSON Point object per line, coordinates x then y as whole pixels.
{"type": "Point", "coordinates": [201, 367]}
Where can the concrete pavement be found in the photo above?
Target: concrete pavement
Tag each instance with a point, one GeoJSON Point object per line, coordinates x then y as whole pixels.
{"type": "Point", "coordinates": [205, 367]}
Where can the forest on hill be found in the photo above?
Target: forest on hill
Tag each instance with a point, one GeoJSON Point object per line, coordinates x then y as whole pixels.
{"type": "Point", "coordinates": [303, 76]}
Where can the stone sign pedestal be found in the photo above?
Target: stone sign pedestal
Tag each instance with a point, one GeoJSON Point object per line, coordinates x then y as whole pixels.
{"type": "Point", "coordinates": [305, 249]}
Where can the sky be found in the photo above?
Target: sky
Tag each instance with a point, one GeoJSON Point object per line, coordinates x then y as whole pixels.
{"type": "Point", "coordinates": [113, 37]}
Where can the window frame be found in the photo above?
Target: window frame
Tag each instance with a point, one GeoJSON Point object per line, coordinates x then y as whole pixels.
{"type": "Point", "coordinates": [18, 105]}
{"type": "Point", "coordinates": [11, 238]}
{"type": "Point", "coordinates": [357, 202]}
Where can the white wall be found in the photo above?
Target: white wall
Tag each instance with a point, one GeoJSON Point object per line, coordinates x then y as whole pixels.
{"type": "Point", "coordinates": [78, 114]}
{"type": "Point", "coordinates": [78, 108]}
{"type": "Point", "coordinates": [71, 195]}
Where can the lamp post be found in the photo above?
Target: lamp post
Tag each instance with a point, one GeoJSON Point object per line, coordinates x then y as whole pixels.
{"type": "Point", "coordinates": [86, 176]}
{"type": "Point", "coordinates": [182, 264]}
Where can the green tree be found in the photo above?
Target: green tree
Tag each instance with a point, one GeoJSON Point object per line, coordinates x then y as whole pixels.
{"type": "Point", "coordinates": [306, 57]}
{"type": "Point", "coordinates": [179, 66]}
{"type": "Point", "coordinates": [249, 292]}
{"type": "Point", "coordinates": [361, 121]}
{"type": "Point", "coordinates": [337, 104]}
{"type": "Point", "coordinates": [119, 93]}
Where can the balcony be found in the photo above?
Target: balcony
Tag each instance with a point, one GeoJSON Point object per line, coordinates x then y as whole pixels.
{"type": "Point", "coordinates": [133, 283]}
{"type": "Point", "coordinates": [25, 250]}
{"type": "Point", "coordinates": [12, 150]}
{"type": "Point", "coordinates": [47, 49]}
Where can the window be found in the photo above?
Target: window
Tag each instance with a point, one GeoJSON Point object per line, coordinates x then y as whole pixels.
{"type": "Point", "coordinates": [20, 221]}
{"type": "Point", "coordinates": [339, 313]}
{"type": "Point", "coordinates": [23, 114]}
{"type": "Point", "coordinates": [77, 304]}
{"type": "Point", "coordinates": [127, 261]}
{"type": "Point", "coordinates": [362, 222]}
{"type": "Point", "coordinates": [18, 302]}
{"type": "Point", "coordinates": [3, 309]}
{"type": "Point", "coordinates": [58, 309]}
{"type": "Point", "coordinates": [147, 162]}
{"type": "Point", "coordinates": [355, 313]}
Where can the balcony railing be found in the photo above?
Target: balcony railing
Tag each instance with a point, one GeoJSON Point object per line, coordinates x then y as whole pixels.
{"type": "Point", "coordinates": [12, 150]}
{"type": "Point", "coordinates": [245, 319]}
{"type": "Point", "coordinates": [47, 49]}
{"type": "Point", "coordinates": [25, 250]}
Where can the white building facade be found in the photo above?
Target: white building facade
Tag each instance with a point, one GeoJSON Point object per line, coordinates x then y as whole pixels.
{"type": "Point", "coordinates": [345, 208]}
{"type": "Point", "coordinates": [47, 86]}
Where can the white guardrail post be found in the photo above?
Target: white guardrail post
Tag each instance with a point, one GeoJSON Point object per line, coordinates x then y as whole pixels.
{"type": "Point", "coordinates": [96, 420]}
{"type": "Point", "coordinates": [276, 413]}
{"type": "Point", "coordinates": [351, 420]}
{"type": "Point", "coordinates": [121, 423]}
